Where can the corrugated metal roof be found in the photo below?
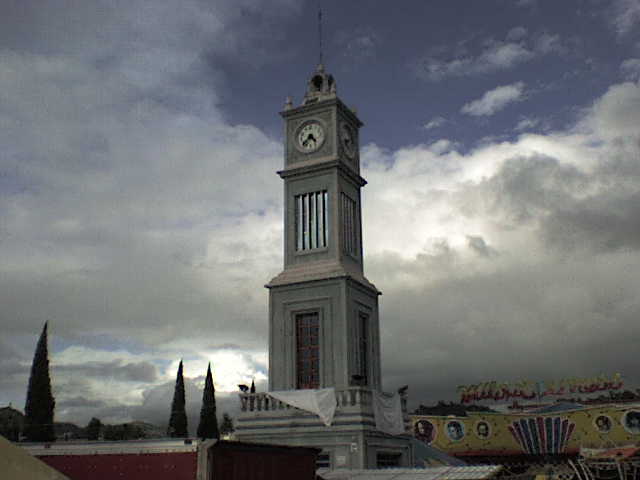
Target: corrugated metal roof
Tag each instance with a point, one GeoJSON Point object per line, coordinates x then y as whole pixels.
{"type": "Point", "coordinates": [101, 447]}
{"type": "Point", "coordinates": [479, 472]}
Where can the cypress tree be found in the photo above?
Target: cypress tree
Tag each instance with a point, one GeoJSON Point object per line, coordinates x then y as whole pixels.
{"type": "Point", "coordinates": [38, 410]}
{"type": "Point", "coordinates": [208, 427]}
{"type": "Point", "coordinates": [178, 420]}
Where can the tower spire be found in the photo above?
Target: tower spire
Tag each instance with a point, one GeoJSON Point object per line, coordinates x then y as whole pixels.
{"type": "Point", "coordinates": [320, 33]}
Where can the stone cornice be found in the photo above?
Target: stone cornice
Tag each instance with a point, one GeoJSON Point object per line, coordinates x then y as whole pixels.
{"type": "Point", "coordinates": [321, 271]}
{"type": "Point", "coordinates": [330, 102]}
{"type": "Point", "coordinates": [320, 164]}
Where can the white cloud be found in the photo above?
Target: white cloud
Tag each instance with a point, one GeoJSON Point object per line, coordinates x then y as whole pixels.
{"type": "Point", "coordinates": [526, 123]}
{"type": "Point", "coordinates": [362, 46]}
{"type": "Point", "coordinates": [442, 146]}
{"type": "Point", "coordinates": [435, 122]}
{"type": "Point", "coordinates": [626, 15]}
{"type": "Point", "coordinates": [516, 33]}
{"type": "Point", "coordinates": [125, 201]}
{"type": "Point", "coordinates": [546, 43]}
{"type": "Point", "coordinates": [496, 55]}
{"type": "Point", "coordinates": [630, 69]}
{"type": "Point", "coordinates": [494, 100]}
{"type": "Point", "coordinates": [132, 211]}
{"type": "Point", "coordinates": [615, 115]}
{"type": "Point", "coordinates": [359, 45]}
{"type": "Point", "coordinates": [568, 199]}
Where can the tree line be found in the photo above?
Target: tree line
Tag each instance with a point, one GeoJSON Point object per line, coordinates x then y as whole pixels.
{"type": "Point", "coordinates": [38, 425]}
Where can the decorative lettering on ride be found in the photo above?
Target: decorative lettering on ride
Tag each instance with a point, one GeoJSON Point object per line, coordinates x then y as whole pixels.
{"type": "Point", "coordinates": [528, 390]}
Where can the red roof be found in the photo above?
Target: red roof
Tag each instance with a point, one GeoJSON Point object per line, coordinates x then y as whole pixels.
{"type": "Point", "coordinates": [147, 466]}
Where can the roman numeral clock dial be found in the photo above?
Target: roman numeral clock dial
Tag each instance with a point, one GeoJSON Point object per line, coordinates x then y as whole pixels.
{"type": "Point", "coordinates": [310, 137]}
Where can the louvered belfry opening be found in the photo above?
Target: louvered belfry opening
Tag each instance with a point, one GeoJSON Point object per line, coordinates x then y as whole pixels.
{"type": "Point", "coordinates": [312, 227]}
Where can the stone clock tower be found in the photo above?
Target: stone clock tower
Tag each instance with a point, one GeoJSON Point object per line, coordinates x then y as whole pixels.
{"type": "Point", "coordinates": [323, 312]}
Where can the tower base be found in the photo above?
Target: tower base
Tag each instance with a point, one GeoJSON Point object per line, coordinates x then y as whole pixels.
{"type": "Point", "coordinates": [351, 442]}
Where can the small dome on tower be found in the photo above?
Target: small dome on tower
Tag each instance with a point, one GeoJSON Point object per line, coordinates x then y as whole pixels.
{"type": "Point", "coordinates": [321, 85]}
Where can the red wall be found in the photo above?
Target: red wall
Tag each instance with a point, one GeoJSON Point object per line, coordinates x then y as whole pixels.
{"type": "Point", "coordinates": [147, 466]}
{"type": "Point", "coordinates": [263, 464]}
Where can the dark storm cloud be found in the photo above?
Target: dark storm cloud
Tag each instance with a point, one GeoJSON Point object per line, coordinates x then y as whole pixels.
{"type": "Point", "coordinates": [602, 224]}
{"type": "Point", "coordinates": [99, 209]}
{"type": "Point", "coordinates": [133, 372]}
{"type": "Point", "coordinates": [155, 408]}
{"type": "Point", "coordinates": [598, 211]}
{"type": "Point", "coordinates": [80, 402]}
{"type": "Point", "coordinates": [523, 190]}
{"type": "Point", "coordinates": [537, 320]}
{"type": "Point", "coordinates": [15, 361]}
{"type": "Point", "coordinates": [134, 210]}
{"type": "Point", "coordinates": [116, 170]}
{"type": "Point", "coordinates": [562, 211]}
{"type": "Point", "coordinates": [14, 368]}
{"type": "Point", "coordinates": [46, 27]}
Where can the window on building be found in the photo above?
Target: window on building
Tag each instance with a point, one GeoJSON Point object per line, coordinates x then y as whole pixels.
{"type": "Point", "coordinates": [312, 226]}
{"type": "Point", "coordinates": [349, 225]}
{"type": "Point", "coordinates": [323, 460]}
{"type": "Point", "coordinates": [308, 350]}
{"type": "Point", "coordinates": [388, 460]}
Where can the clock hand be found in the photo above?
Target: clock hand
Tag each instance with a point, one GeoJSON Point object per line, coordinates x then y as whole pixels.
{"type": "Point", "coordinates": [310, 138]}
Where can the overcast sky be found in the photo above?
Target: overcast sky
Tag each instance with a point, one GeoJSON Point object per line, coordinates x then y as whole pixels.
{"type": "Point", "coordinates": [140, 212]}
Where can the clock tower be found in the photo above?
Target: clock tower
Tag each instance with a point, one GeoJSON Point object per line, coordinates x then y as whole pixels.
{"type": "Point", "coordinates": [323, 312]}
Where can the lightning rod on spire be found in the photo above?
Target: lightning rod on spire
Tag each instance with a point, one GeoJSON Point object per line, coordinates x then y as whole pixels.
{"type": "Point", "coordinates": [320, 31]}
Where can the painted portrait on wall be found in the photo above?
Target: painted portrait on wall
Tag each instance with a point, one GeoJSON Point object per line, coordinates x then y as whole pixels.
{"type": "Point", "coordinates": [631, 421]}
{"type": "Point", "coordinates": [425, 431]}
{"type": "Point", "coordinates": [455, 430]}
{"type": "Point", "coordinates": [483, 429]}
{"type": "Point", "coordinates": [603, 423]}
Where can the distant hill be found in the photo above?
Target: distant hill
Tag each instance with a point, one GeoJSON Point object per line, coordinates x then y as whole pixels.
{"type": "Point", "coordinates": [131, 431]}
{"type": "Point", "coordinates": [12, 422]}
{"type": "Point", "coordinates": [68, 431]}
{"type": "Point", "coordinates": [150, 430]}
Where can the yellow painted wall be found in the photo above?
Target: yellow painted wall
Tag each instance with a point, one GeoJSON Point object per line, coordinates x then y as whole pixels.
{"type": "Point", "coordinates": [501, 440]}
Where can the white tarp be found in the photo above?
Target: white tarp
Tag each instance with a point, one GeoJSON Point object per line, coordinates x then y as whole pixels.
{"type": "Point", "coordinates": [387, 409]}
{"type": "Point", "coordinates": [320, 401]}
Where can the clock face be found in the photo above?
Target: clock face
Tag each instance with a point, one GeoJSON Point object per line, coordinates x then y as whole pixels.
{"type": "Point", "coordinates": [348, 140]}
{"type": "Point", "coordinates": [310, 137]}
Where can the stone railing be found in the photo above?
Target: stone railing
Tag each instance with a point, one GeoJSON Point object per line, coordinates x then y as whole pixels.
{"type": "Point", "coordinates": [345, 398]}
